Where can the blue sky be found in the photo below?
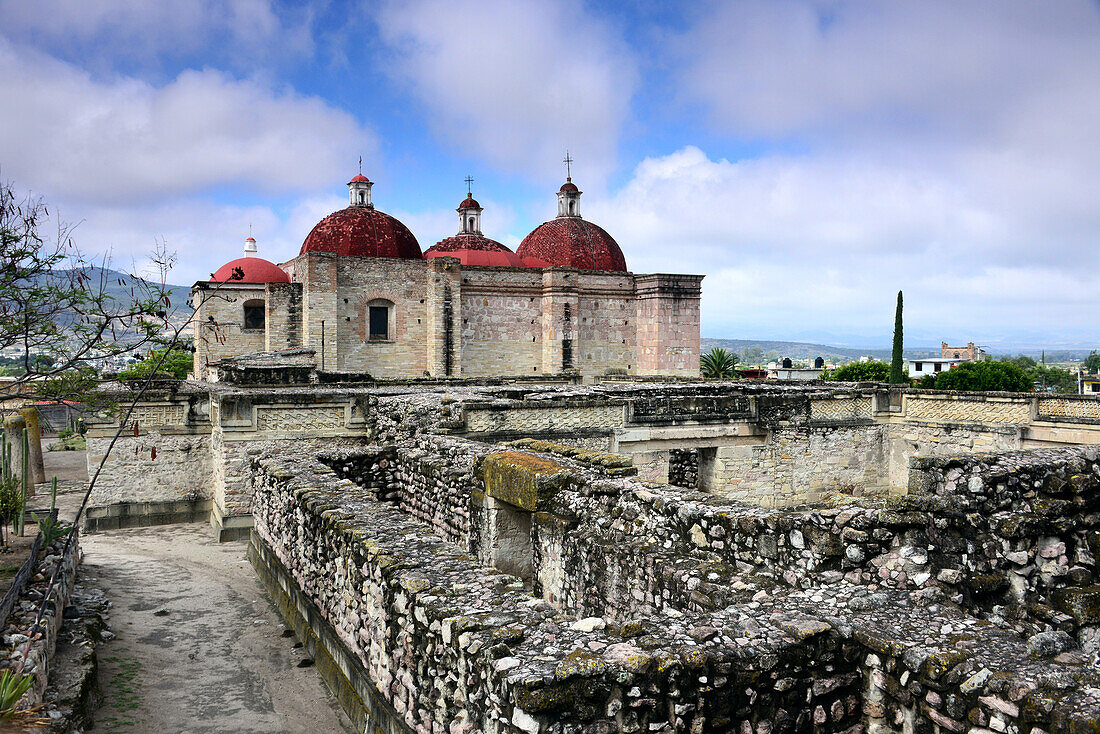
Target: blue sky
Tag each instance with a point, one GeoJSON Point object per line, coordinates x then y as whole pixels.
{"type": "Point", "coordinates": [810, 157]}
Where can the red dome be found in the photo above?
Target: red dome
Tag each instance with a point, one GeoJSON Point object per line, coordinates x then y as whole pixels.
{"type": "Point", "coordinates": [466, 241]}
{"type": "Point", "coordinates": [575, 243]}
{"type": "Point", "coordinates": [496, 258]}
{"type": "Point", "coordinates": [469, 203]}
{"type": "Point", "coordinates": [534, 262]}
{"type": "Point", "coordinates": [256, 270]}
{"type": "Point", "coordinates": [362, 232]}
{"type": "Point", "coordinates": [569, 186]}
{"type": "Point", "coordinates": [359, 179]}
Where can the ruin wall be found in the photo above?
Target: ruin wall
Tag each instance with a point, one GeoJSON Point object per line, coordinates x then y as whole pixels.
{"type": "Point", "coordinates": [749, 619]}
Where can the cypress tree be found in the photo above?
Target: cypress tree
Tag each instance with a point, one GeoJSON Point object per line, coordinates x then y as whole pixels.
{"type": "Point", "coordinates": [897, 368]}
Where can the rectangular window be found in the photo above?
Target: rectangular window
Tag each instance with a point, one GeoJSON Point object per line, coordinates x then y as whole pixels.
{"type": "Point", "coordinates": [938, 366]}
{"type": "Point", "coordinates": [253, 317]}
{"type": "Point", "coordinates": [919, 366]}
{"type": "Point", "coordinates": [1096, 387]}
{"type": "Point", "coordinates": [379, 323]}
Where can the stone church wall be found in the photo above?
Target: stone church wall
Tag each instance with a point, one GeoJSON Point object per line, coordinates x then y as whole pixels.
{"type": "Point", "coordinates": [401, 282]}
{"type": "Point", "coordinates": [219, 330]}
{"type": "Point", "coordinates": [501, 321]}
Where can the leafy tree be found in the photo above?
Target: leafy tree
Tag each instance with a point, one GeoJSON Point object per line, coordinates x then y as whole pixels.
{"type": "Point", "coordinates": [897, 364]}
{"type": "Point", "coordinates": [56, 307]}
{"type": "Point", "coordinates": [752, 355]}
{"type": "Point", "coordinates": [1091, 363]}
{"type": "Point", "coordinates": [859, 372]}
{"type": "Point", "coordinates": [718, 363]}
{"type": "Point", "coordinates": [1057, 378]}
{"type": "Point", "coordinates": [176, 364]}
{"type": "Point", "coordinates": [985, 376]}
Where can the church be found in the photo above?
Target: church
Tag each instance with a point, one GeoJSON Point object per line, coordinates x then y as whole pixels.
{"type": "Point", "coordinates": [365, 298]}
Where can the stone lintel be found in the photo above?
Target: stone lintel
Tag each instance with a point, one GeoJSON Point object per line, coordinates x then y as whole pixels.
{"type": "Point", "coordinates": [522, 480]}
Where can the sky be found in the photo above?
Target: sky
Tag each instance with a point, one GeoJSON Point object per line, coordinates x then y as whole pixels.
{"type": "Point", "coordinates": [809, 157]}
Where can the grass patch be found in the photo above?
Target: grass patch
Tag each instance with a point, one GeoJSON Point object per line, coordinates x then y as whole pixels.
{"type": "Point", "coordinates": [122, 694]}
{"type": "Point", "coordinates": [71, 443]}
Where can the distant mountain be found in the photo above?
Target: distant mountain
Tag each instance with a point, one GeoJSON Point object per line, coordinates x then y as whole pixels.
{"type": "Point", "coordinates": [804, 351]}
{"type": "Point", "coordinates": [807, 350]}
{"type": "Point", "coordinates": [125, 288]}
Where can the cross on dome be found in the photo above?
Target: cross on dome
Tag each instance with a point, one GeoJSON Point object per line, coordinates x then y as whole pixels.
{"type": "Point", "coordinates": [469, 211]}
{"type": "Point", "coordinates": [569, 196]}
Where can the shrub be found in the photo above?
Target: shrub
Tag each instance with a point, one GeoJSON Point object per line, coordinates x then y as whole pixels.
{"type": "Point", "coordinates": [175, 366]}
{"type": "Point", "coordinates": [859, 372]}
{"type": "Point", "coordinates": [985, 376]}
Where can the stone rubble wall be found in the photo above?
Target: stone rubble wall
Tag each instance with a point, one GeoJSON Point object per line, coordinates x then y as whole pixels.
{"type": "Point", "coordinates": [1017, 546]}
{"type": "Point", "coordinates": [720, 643]}
{"type": "Point", "coordinates": [20, 623]}
{"type": "Point", "coordinates": [1041, 510]}
{"type": "Point", "coordinates": [683, 467]}
{"type": "Point", "coordinates": [455, 647]}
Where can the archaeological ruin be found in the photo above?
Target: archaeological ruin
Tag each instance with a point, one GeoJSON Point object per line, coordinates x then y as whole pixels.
{"type": "Point", "coordinates": [661, 555]}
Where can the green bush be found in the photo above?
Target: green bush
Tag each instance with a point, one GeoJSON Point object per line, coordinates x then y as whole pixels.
{"type": "Point", "coordinates": [176, 365]}
{"type": "Point", "coordinates": [985, 376]}
{"type": "Point", "coordinates": [859, 372]}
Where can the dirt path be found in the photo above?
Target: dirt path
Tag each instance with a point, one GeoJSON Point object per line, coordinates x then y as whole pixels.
{"type": "Point", "coordinates": [199, 647]}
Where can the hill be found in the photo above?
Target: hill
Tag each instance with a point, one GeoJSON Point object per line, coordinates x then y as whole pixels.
{"type": "Point", "coordinates": [808, 350]}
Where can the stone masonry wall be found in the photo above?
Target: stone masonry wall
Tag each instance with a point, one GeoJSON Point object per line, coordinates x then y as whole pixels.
{"type": "Point", "coordinates": [907, 440]}
{"type": "Point", "coordinates": [152, 467]}
{"type": "Point", "coordinates": [454, 647]}
{"type": "Point", "coordinates": [801, 464]}
{"type": "Point", "coordinates": [699, 616]}
{"type": "Point", "coordinates": [218, 329]}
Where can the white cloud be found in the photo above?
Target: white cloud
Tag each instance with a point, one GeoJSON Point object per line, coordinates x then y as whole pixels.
{"type": "Point", "coordinates": [516, 83]}
{"type": "Point", "coordinates": [853, 67]}
{"type": "Point", "coordinates": [144, 33]}
{"type": "Point", "coordinates": [946, 148]}
{"type": "Point", "coordinates": [66, 134]}
{"type": "Point", "coordinates": [797, 246]}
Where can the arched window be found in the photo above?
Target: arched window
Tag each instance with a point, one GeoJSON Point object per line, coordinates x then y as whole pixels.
{"type": "Point", "coordinates": [254, 315]}
{"type": "Point", "coordinates": [380, 320]}
{"type": "Point", "coordinates": [361, 197]}
{"type": "Point", "coordinates": [572, 207]}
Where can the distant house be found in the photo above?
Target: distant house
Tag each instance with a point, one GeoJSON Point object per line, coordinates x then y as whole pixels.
{"type": "Point", "coordinates": [785, 370]}
{"type": "Point", "coordinates": [969, 353]}
{"type": "Point", "coordinates": [918, 368]}
{"type": "Point", "coordinates": [1088, 384]}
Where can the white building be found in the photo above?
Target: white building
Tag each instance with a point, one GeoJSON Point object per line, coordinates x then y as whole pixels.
{"type": "Point", "coordinates": [918, 368]}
